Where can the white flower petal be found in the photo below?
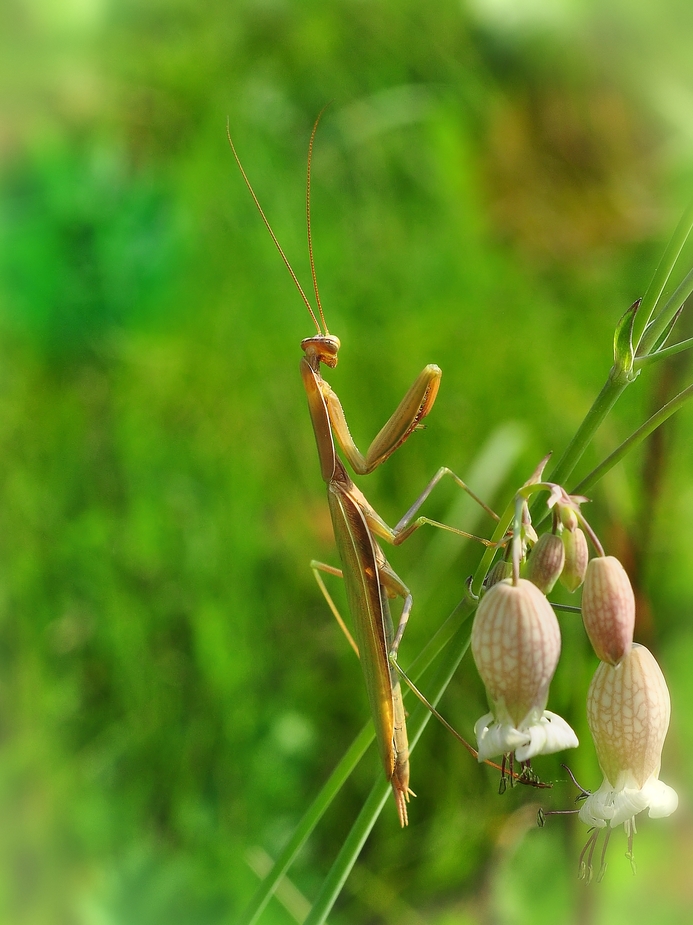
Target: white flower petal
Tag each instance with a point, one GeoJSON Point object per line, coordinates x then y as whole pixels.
{"type": "Point", "coordinates": [598, 808]}
{"type": "Point", "coordinates": [615, 807]}
{"type": "Point", "coordinates": [551, 734]}
{"type": "Point", "coordinates": [497, 738]}
{"type": "Point", "coordinates": [662, 799]}
{"type": "Point", "coordinates": [627, 804]}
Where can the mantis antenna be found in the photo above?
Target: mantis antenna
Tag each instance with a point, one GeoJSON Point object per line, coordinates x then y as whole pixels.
{"type": "Point", "coordinates": [310, 237]}
{"type": "Point", "coordinates": [272, 234]}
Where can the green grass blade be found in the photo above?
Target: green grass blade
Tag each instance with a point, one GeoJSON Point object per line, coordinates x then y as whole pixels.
{"type": "Point", "coordinates": [340, 870]}
{"type": "Point", "coordinates": [655, 290]}
{"type": "Point", "coordinates": [672, 305]}
{"type": "Point", "coordinates": [311, 818]}
{"type": "Point", "coordinates": [345, 767]}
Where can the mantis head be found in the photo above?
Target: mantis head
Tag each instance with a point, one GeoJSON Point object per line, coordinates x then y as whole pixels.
{"type": "Point", "coordinates": [323, 348]}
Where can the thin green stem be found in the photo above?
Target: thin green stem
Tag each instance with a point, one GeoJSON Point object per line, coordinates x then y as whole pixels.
{"type": "Point", "coordinates": [635, 438]}
{"type": "Point", "coordinates": [502, 526]}
{"type": "Point", "coordinates": [604, 402]}
{"type": "Point", "coordinates": [366, 819]}
{"type": "Point", "coordinates": [517, 536]}
{"type": "Point", "coordinates": [565, 608]}
{"type": "Point", "coordinates": [616, 385]}
{"type": "Point", "coordinates": [663, 354]}
{"type": "Point", "coordinates": [666, 315]}
{"type": "Point", "coordinates": [591, 535]}
{"type": "Point", "coordinates": [654, 291]}
{"type": "Point", "coordinates": [441, 638]}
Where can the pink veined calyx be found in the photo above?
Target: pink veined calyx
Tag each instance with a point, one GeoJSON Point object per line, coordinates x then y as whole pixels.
{"type": "Point", "coordinates": [516, 643]}
{"type": "Point", "coordinates": [628, 710]}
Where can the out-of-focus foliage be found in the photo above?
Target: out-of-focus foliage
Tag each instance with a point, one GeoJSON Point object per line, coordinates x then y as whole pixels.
{"type": "Point", "coordinates": [492, 186]}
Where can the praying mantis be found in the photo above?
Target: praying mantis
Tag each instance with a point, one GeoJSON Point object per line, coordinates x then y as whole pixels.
{"type": "Point", "coordinates": [369, 579]}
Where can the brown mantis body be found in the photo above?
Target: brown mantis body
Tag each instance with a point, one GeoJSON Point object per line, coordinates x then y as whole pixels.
{"type": "Point", "coordinates": [369, 579]}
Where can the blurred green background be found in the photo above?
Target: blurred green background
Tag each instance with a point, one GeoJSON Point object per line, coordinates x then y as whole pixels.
{"type": "Point", "coordinates": [493, 185]}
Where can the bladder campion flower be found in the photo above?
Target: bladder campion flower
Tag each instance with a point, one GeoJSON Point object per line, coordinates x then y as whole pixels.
{"type": "Point", "coordinates": [628, 709]}
{"type": "Point", "coordinates": [608, 608]}
{"type": "Point", "coordinates": [516, 643]}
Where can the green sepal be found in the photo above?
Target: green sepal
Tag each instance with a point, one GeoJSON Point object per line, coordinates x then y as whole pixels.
{"type": "Point", "coordinates": [624, 354]}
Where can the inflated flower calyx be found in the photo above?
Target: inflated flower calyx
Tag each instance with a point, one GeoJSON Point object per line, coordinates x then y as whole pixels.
{"type": "Point", "coordinates": [576, 558]}
{"type": "Point", "coordinates": [608, 609]}
{"type": "Point", "coordinates": [500, 570]}
{"type": "Point", "coordinates": [628, 710]}
{"type": "Point", "coordinates": [516, 642]}
{"type": "Point", "coordinates": [545, 562]}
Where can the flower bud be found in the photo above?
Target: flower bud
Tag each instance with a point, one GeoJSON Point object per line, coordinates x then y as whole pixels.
{"type": "Point", "coordinates": [501, 569]}
{"type": "Point", "coordinates": [545, 562]}
{"type": "Point", "coordinates": [608, 608]}
{"type": "Point", "coordinates": [628, 710]}
{"type": "Point", "coordinates": [568, 517]}
{"type": "Point", "coordinates": [576, 558]}
{"type": "Point", "coordinates": [516, 643]}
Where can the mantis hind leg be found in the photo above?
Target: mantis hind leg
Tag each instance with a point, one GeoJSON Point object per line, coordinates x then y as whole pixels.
{"type": "Point", "coordinates": [398, 772]}
{"type": "Point", "coordinates": [395, 587]}
{"type": "Point", "coordinates": [317, 568]}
